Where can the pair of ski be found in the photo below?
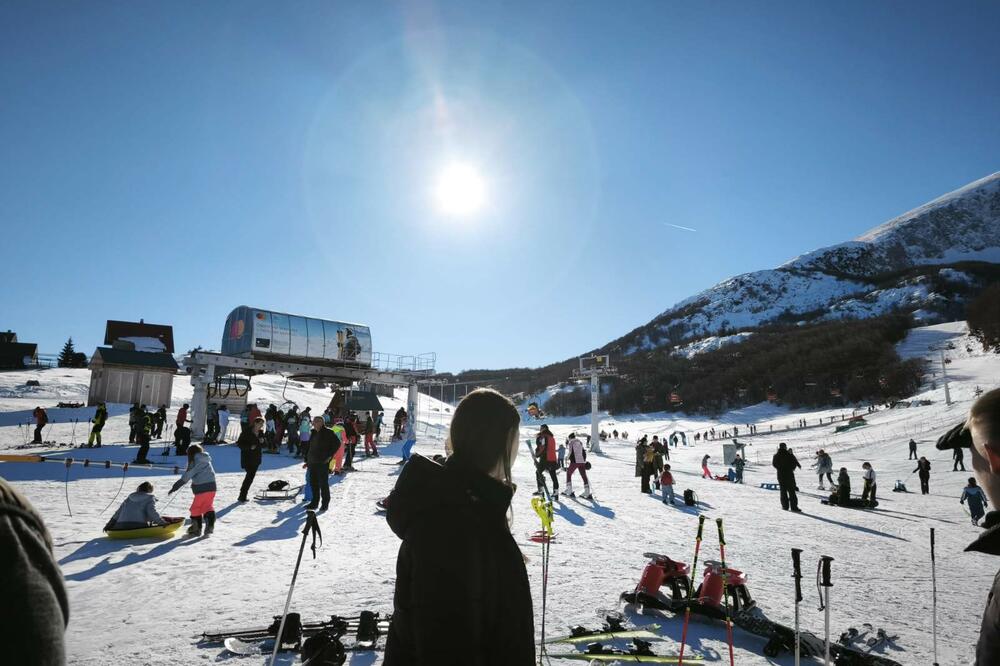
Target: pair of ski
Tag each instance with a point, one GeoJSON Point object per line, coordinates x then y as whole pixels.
{"type": "Point", "coordinates": [877, 641]}
{"type": "Point", "coordinates": [349, 624]}
{"type": "Point", "coordinates": [614, 629]}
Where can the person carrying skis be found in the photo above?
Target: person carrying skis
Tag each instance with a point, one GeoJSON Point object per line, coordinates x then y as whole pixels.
{"type": "Point", "coordinates": [546, 459]}
{"type": "Point", "coordinates": [100, 418]}
{"type": "Point", "coordinates": [138, 510]}
{"type": "Point", "coordinates": [913, 450]}
{"type": "Point", "coordinates": [868, 493]}
{"type": "Point", "coordinates": [577, 461]}
{"type": "Point", "coordinates": [980, 432]}
{"type": "Point", "coordinates": [452, 520]}
{"type": "Point", "coordinates": [786, 463]}
{"type": "Point", "coordinates": [977, 500]}
{"type": "Point", "coordinates": [959, 458]}
{"type": "Point", "coordinates": [323, 445]}
{"type": "Point", "coordinates": [923, 472]}
{"type": "Point", "coordinates": [667, 485]}
{"type": "Point", "coordinates": [705, 472]}
{"type": "Point", "coordinates": [201, 474]}
{"type": "Point", "coordinates": [739, 464]}
{"type": "Point", "coordinates": [251, 443]}
{"type": "Point", "coordinates": [824, 467]}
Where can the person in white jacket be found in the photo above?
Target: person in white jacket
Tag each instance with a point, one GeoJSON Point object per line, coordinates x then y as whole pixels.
{"type": "Point", "coordinates": [868, 494]}
{"type": "Point", "coordinates": [138, 510]}
{"type": "Point", "coordinates": [577, 461]}
{"type": "Point", "coordinates": [201, 474]}
{"type": "Point", "coordinates": [223, 423]}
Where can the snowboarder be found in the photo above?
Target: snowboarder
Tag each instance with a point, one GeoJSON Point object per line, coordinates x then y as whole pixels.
{"type": "Point", "coordinates": [923, 472]}
{"type": "Point", "coordinates": [667, 485]}
{"type": "Point", "coordinates": [100, 418]}
{"type": "Point", "coordinates": [577, 461]}
{"type": "Point", "coordinates": [977, 500]}
{"type": "Point", "coordinates": [251, 443]}
{"type": "Point", "coordinates": [201, 474]}
{"type": "Point", "coordinates": [738, 465]}
{"type": "Point", "coordinates": [824, 467]}
{"type": "Point", "coordinates": [705, 472]}
{"type": "Point", "coordinates": [786, 463]}
{"type": "Point", "coordinates": [223, 418]}
{"type": "Point", "coordinates": [959, 458]}
{"type": "Point", "coordinates": [913, 450]}
{"type": "Point", "coordinates": [546, 459]}
{"type": "Point", "coordinates": [452, 520]}
{"type": "Point", "coordinates": [323, 445]}
{"type": "Point", "coordinates": [138, 510]}
{"type": "Point", "coordinates": [868, 493]}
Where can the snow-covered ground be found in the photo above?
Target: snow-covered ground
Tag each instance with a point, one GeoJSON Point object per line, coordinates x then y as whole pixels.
{"type": "Point", "coordinates": [144, 602]}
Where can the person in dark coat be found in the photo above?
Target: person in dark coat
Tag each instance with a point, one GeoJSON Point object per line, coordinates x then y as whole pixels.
{"type": "Point", "coordinates": [462, 594]}
{"type": "Point", "coordinates": [981, 433]}
{"type": "Point", "coordinates": [843, 489]}
{"type": "Point", "coordinates": [251, 443]}
{"type": "Point", "coordinates": [35, 606]}
{"type": "Point", "coordinates": [923, 472]}
{"type": "Point", "coordinates": [913, 450]}
{"type": "Point", "coordinates": [785, 462]}
{"type": "Point", "coordinates": [959, 460]}
{"type": "Point", "coordinates": [323, 445]}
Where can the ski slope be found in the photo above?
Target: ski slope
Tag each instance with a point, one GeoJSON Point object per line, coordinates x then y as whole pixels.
{"type": "Point", "coordinates": [145, 602]}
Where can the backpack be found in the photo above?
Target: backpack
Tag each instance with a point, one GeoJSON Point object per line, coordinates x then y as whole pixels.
{"type": "Point", "coordinates": [690, 499]}
{"type": "Point", "coordinates": [280, 484]}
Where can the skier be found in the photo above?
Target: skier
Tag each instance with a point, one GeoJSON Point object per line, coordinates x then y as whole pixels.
{"type": "Point", "coordinates": [981, 433]}
{"type": "Point", "coordinates": [913, 450]}
{"type": "Point", "coordinates": [739, 464]}
{"type": "Point", "coordinates": [959, 458]}
{"type": "Point", "coordinates": [182, 439]}
{"type": "Point", "coordinates": [868, 494]}
{"type": "Point", "coordinates": [705, 472]}
{"type": "Point", "coordinates": [824, 467]}
{"type": "Point", "coordinates": [667, 485]}
{"type": "Point", "coordinates": [923, 471]}
{"type": "Point", "coordinates": [251, 443]}
{"type": "Point", "coordinates": [378, 425]}
{"type": "Point", "coordinates": [785, 462]}
{"type": "Point", "coordinates": [546, 459]}
{"type": "Point", "coordinates": [100, 418]}
{"type": "Point", "coordinates": [977, 500]}
{"type": "Point", "coordinates": [323, 444]}
{"type": "Point", "coordinates": [35, 606]}
{"type": "Point", "coordinates": [133, 420]}
{"type": "Point", "coordinates": [41, 419]}
{"type": "Point", "coordinates": [452, 520]}
{"type": "Point", "coordinates": [138, 510]}
{"type": "Point", "coordinates": [223, 417]}
{"type": "Point", "coordinates": [370, 448]}
{"type": "Point", "coordinates": [143, 428]}
{"type": "Point", "coordinates": [159, 421]}
{"type": "Point", "coordinates": [201, 474]}
{"type": "Point", "coordinates": [577, 461]}
{"type": "Point", "coordinates": [397, 423]}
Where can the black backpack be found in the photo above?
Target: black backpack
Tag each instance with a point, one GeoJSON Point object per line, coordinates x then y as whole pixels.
{"type": "Point", "coordinates": [690, 498]}
{"type": "Point", "coordinates": [280, 484]}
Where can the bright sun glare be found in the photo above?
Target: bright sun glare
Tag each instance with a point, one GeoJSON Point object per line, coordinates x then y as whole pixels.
{"type": "Point", "coordinates": [460, 190]}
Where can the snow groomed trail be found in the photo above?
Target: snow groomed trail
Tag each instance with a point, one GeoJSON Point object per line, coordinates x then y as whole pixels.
{"type": "Point", "coordinates": [145, 602]}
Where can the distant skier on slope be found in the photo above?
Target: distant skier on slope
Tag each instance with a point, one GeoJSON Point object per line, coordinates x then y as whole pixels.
{"type": "Point", "coordinates": [923, 472]}
{"type": "Point", "coordinates": [977, 500]}
{"type": "Point", "coordinates": [577, 461]}
{"type": "Point", "coordinates": [824, 467]}
{"type": "Point", "coordinates": [546, 459]}
{"type": "Point", "coordinates": [913, 450]}
{"type": "Point", "coordinates": [959, 458]}
{"type": "Point", "coordinates": [786, 463]}
{"type": "Point", "coordinates": [705, 472]}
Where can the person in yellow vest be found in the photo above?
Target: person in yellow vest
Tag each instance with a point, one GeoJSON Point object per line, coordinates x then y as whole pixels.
{"type": "Point", "coordinates": [100, 418]}
{"type": "Point", "coordinates": [337, 463]}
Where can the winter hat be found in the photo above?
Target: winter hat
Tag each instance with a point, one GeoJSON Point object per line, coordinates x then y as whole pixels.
{"type": "Point", "coordinates": [956, 438]}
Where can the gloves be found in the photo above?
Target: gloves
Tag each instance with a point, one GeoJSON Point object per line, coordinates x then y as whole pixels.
{"type": "Point", "coordinates": [178, 484]}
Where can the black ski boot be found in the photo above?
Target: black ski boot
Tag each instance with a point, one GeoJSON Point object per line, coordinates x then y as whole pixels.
{"type": "Point", "coordinates": [195, 529]}
{"type": "Point", "coordinates": [209, 522]}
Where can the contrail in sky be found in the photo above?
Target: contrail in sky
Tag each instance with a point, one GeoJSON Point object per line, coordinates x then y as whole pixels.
{"type": "Point", "coordinates": [677, 226]}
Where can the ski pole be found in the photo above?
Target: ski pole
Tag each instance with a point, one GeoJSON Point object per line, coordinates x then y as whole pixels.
{"type": "Point", "coordinates": [312, 525]}
{"type": "Point", "coordinates": [934, 599]}
{"type": "Point", "coordinates": [687, 608]}
{"type": "Point", "coordinates": [797, 575]}
{"type": "Point", "coordinates": [824, 565]}
{"type": "Point", "coordinates": [725, 590]}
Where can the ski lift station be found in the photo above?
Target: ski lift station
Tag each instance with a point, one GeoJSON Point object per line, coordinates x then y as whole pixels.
{"type": "Point", "coordinates": [257, 342]}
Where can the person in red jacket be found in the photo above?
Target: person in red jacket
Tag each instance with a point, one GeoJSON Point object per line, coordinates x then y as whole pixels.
{"type": "Point", "coordinates": [182, 416]}
{"type": "Point", "coordinates": [546, 459]}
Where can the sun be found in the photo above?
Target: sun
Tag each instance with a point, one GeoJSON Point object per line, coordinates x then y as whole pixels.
{"type": "Point", "coordinates": [460, 190]}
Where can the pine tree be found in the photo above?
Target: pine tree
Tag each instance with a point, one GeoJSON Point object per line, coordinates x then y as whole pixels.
{"type": "Point", "coordinates": [66, 356]}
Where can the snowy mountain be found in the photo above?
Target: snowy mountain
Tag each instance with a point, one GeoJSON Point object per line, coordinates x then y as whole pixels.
{"type": "Point", "coordinates": [922, 262]}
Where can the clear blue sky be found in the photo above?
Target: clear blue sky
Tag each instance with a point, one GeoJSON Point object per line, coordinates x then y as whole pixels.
{"type": "Point", "coordinates": [172, 160]}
